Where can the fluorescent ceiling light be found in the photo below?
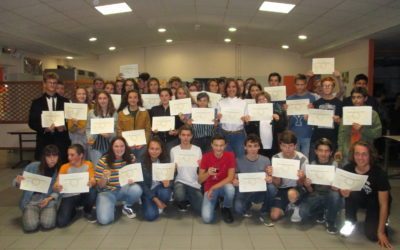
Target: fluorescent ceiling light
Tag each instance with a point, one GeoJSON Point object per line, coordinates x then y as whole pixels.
{"type": "Point", "coordinates": [112, 48]}
{"type": "Point", "coordinates": [276, 7]}
{"type": "Point", "coordinates": [232, 29]}
{"type": "Point", "coordinates": [227, 40]}
{"type": "Point", "coordinates": [93, 39]}
{"type": "Point", "coordinates": [302, 37]}
{"type": "Point", "coordinates": [113, 8]}
{"type": "Point", "coordinates": [169, 40]}
{"type": "Point", "coordinates": [162, 30]}
{"type": "Point", "coordinates": [285, 46]}
{"type": "Point", "coordinates": [69, 57]}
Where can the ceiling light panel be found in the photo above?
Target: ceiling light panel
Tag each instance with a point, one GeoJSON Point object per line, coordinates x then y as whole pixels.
{"type": "Point", "coordinates": [276, 7]}
{"type": "Point", "coordinates": [113, 8]}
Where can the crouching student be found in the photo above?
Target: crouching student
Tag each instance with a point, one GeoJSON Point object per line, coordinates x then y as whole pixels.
{"type": "Point", "coordinates": [39, 210]}
{"type": "Point", "coordinates": [217, 170]}
{"type": "Point", "coordinates": [70, 201]}
{"type": "Point", "coordinates": [253, 162]}
{"type": "Point", "coordinates": [290, 192]}
{"type": "Point", "coordinates": [374, 196]}
{"type": "Point", "coordinates": [324, 202]}
{"type": "Point", "coordinates": [156, 194]}
{"type": "Point", "coordinates": [186, 186]}
{"type": "Point", "coordinates": [111, 191]}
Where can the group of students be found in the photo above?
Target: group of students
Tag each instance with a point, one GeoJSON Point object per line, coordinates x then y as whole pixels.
{"type": "Point", "coordinates": [223, 150]}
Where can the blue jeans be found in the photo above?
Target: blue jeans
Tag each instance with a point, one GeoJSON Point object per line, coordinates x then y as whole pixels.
{"type": "Point", "coordinates": [235, 142]}
{"type": "Point", "coordinates": [208, 206]}
{"type": "Point", "coordinates": [303, 145]}
{"type": "Point", "coordinates": [316, 204]}
{"type": "Point", "coordinates": [243, 201]}
{"type": "Point", "coordinates": [105, 203]}
{"type": "Point", "coordinates": [183, 192]}
{"type": "Point", "coordinates": [150, 209]}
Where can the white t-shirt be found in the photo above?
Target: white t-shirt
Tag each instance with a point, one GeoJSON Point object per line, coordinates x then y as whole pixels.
{"type": "Point", "coordinates": [187, 174]}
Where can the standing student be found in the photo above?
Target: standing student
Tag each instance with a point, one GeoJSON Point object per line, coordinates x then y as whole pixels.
{"type": "Point", "coordinates": [108, 183]}
{"type": "Point", "coordinates": [142, 82]}
{"type": "Point", "coordinates": [39, 210]}
{"type": "Point", "coordinates": [233, 132]}
{"type": "Point", "coordinates": [109, 88]}
{"type": "Point", "coordinates": [186, 186]}
{"type": "Point", "coordinates": [361, 80]}
{"type": "Point", "coordinates": [49, 101]}
{"type": "Point", "coordinates": [242, 92]}
{"type": "Point", "coordinates": [212, 86]}
{"type": "Point", "coordinates": [60, 88]}
{"type": "Point", "coordinates": [156, 194]}
{"type": "Point", "coordinates": [274, 79]}
{"type": "Point", "coordinates": [374, 196]}
{"type": "Point", "coordinates": [98, 86]}
{"type": "Point", "coordinates": [153, 86]}
{"type": "Point", "coordinates": [132, 116]}
{"type": "Point", "coordinates": [129, 84]}
{"type": "Point", "coordinates": [221, 85]}
{"type": "Point", "coordinates": [98, 144]}
{"type": "Point", "coordinates": [70, 202]}
{"type": "Point", "coordinates": [217, 170]}
{"type": "Point", "coordinates": [118, 86]}
{"type": "Point", "coordinates": [174, 83]}
{"type": "Point", "coordinates": [253, 90]}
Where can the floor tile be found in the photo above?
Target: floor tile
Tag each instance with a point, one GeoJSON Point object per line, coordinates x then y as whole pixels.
{"type": "Point", "coordinates": [146, 242]}
{"type": "Point", "coordinates": [57, 241]}
{"type": "Point", "coordinates": [206, 242]}
{"type": "Point", "coordinates": [29, 241]}
{"type": "Point", "coordinates": [116, 241]}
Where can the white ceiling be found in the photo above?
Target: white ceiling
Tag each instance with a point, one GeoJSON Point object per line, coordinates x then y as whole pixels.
{"type": "Point", "coordinates": [62, 27]}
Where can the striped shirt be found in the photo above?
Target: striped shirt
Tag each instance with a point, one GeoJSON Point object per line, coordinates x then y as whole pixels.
{"type": "Point", "coordinates": [113, 181]}
{"type": "Point", "coordinates": [286, 183]}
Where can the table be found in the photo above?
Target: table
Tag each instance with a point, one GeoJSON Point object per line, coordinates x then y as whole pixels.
{"type": "Point", "coordinates": [389, 139]}
{"type": "Point", "coordinates": [22, 163]}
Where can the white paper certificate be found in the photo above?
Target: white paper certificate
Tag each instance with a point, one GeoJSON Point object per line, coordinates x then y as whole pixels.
{"type": "Point", "coordinates": [181, 106]}
{"type": "Point", "coordinates": [285, 168]}
{"type": "Point", "coordinates": [163, 123]}
{"type": "Point", "coordinates": [135, 137]}
{"type": "Point", "coordinates": [320, 174]}
{"type": "Point", "coordinates": [203, 116]}
{"type": "Point", "coordinates": [252, 182]}
{"type": "Point", "coordinates": [231, 115]}
{"type": "Point", "coordinates": [260, 111]}
{"type": "Point", "coordinates": [278, 93]}
{"type": "Point", "coordinates": [116, 100]}
{"type": "Point", "coordinates": [250, 101]}
{"type": "Point", "coordinates": [101, 126]}
{"type": "Point", "coordinates": [76, 111]}
{"type": "Point", "coordinates": [52, 117]}
{"type": "Point", "coordinates": [297, 107]}
{"type": "Point", "coordinates": [132, 171]}
{"type": "Point", "coordinates": [214, 99]}
{"type": "Point", "coordinates": [150, 100]}
{"type": "Point", "coordinates": [359, 114]}
{"type": "Point", "coordinates": [349, 181]}
{"type": "Point", "coordinates": [163, 171]}
{"type": "Point", "coordinates": [35, 183]}
{"type": "Point", "coordinates": [320, 117]}
{"type": "Point", "coordinates": [129, 71]}
{"type": "Point", "coordinates": [194, 94]}
{"type": "Point", "coordinates": [186, 159]}
{"type": "Point", "coordinates": [74, 183]}
{"type": "Point", "coordinates": [323, 65]}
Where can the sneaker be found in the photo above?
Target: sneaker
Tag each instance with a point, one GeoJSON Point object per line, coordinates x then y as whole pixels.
{"type": "Point", "coordinates": [264, 218]}
{"type": "Point", "coordinates": [182, 206]}
{"type": "Point", "coordinates": [320, 219]}
{"type": "Point", "coordinates": [296, 215]}
{"type": "Point", "coordinates": [247, 214]}
{"type": "Point", "coordinates": [331, 228]}
{"type": "Point", "coordinates": [160, 210]}
{"type": "Point", "coordinates": [128, 211]}
{"type": "Point", "coordinates": [347, 228]}
{"type": "Point", "coordinates": [91, 217]}
{"type": "Point", "coordinates": [227, 215]}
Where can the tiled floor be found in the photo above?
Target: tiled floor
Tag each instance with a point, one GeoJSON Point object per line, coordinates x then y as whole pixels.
{"type": "Point", "coordinates": [175, 230]}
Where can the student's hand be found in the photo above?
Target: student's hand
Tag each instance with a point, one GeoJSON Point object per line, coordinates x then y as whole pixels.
{"type": "Point", "coordinates": [159, 203]}
{"type": "Point", "coordinates": [90, 141]}
{"type": "Point", "coordinates": [310, 74]}
{"type": "Point", "coordinates": [189, 122]}
{"type": "Point", "coordinates": [305, 117]}
{"type": "Point", "coordinates": [219, 116]}
{"type": "Point", "coordinates": [50, 129]}
{"type": "Point", "coordinates": [338, 156]}
{"type": "Point", "coordinates": [235, 182]}
{"type": "Point", "coordinates": [284, 106]}
{"type": "Point", "coordinates": [138, 147]}
{"type": "Point", "coordinates": [107, 173]}
{"type": "Point", "coordinates": [173, 132]}
{"type": "Point", "coordinates": [337, 119]}
{"type": "Point", "coordinates": [383, 240]}
{"type": "Point", "coordinates": [212, 171]}
{"type": "Point", "coordinates": [106, 135]}
{"type": "Point", "coordinates": [276, 117]}
{"type": "Point", "coordinates": [307, 182]}
{"type": "Point", "coordinates": [60, 128]}
{"type": "Point", "coordinates": [337, 74]}
{"type": "Point", "coordinates": [357, 126]}
{"type": "Point", "coordinates": [345, 192]}
{"type": "Point", "coordinates": [74, 122]}
{"type": "Point", "coordinates": [131, 182]}
{"type": "Point", "coordinates": [310, 106]}
{"type": "Point", "coordinates": [165, 183]}
{"type": "Point", "coordinates": [246, 118]}
{"type": "Point", "coordinates": [18, 179]}
{"type": "Point", "coordinates": [301, 175]}
{"type": "Point", "coordinates": [45, 202]}
{"type": "Point", "coordinates": [58, 188]}
{"type": "Point", "coordinates": [210, 193]}
{"type": "Point", "coordinates": [268, 169]}
{"type": "Point", "coordinates": [268, 179]}
{"type": "Point", "coordinates": [155, 131]}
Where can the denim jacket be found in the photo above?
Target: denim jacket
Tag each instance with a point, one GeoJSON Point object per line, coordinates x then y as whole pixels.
{"type": "Point", "coordinates": [33, 168]}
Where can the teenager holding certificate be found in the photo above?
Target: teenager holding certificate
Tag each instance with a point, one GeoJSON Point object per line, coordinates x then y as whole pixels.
{"type": "Point", "coordinates": [39, 210]}
{"type": "Point", "coordinates": [254, 90]}
{"type": "Point", "coordinates": [233, 132]}
{"type": "Point", "coordinates": [153, 86]}
{"type": "Point", "coordinates": [71, 201]}
{"type": "Point", "coordinates": [156, 194]}
{"type": "Point", "coordinates": [212, 86]}
{"type": "Point", "coordinates": [132, 116]}
{"type": "Point", "coordinates": [99, 143]}
{"type": "Point", "coordinates": [110, 189]}
{"type": "Point", "coordinates": [374, 196]}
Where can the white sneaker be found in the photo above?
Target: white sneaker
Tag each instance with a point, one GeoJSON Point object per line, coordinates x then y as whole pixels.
{"type": "Point", "coordinates": [296, 215]}
{"type": "Point", "coordinates": [160, 210]}
{"type": "Point", "coordinates": [128, 211]}
{"type": "Point", "coordinates": [347, 228]}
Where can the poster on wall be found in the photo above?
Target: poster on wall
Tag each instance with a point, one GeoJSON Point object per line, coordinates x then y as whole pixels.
{"type": "Point", "coordinates": [33, 66]}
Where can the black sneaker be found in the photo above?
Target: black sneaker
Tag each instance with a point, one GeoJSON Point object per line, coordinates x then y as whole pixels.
{"type": "Point", "coordinates": [91, 217]}
{"type": "Point", "coordinates": [320, 219]}
{"type": "Point", "coordinates": [182, 206]}
{"type": "Point", "coordinates": [331, 228]}
{"type": "Point", "coordinates": [227, 215]}
{"type": "Point", "coordinates": [128, 211]}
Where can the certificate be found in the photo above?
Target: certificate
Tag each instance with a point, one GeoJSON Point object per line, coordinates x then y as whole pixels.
{"type": "Point", "coordinates": [260, 111]}
{"type": "Point", "coordinates": [231, 115]}
{"type": "Point", "coordinates": [101, 126]}
{"type": "Point", "coordinates": [349, 181]}
{"type": "Point", "coordinates": [186, 159]}
{"type": "Point", "coordinates": [116, 98]}
{"type": "Point", "coordinates": [252, 182]}
{"type": "Point", "coordinates": [285, 168]}
{"type": "Point", "coordinates": [163, 123]}
{"type": "Point", "coordinates": [359, 114]}
{"type": "Point", "coordinates": [129, 71]}
{"type": "Point", "coordinates": [135, 137]}
{"type": "Point", "coordinates": [132, 172]}
{"type": "Point", "coordinates": [214, 99]}
{"type": "Point", "coordinates": [77, 111]}
{"type": "Point", "coordinates": [35, 183]}
{"type": "Point", "coordinates": [194, 94]}
{"type": "Point", "coordinates": [323, 65]}
{"type": "Point", "coordinates": [320, 117]}
{"type": "Point", "coordinates": [181, 106]}
{"type": "Point", "coordinates": [320, 174]}
{"type": "Point", "coordinates": [203, 116]}
{"type": "Point", "coordinates": [297, 107]}
{"type": "Point", "coordinates": [52, 117]}
{"type": "Point", "coordinates": [250, 101]}
{"type": "Point", "coordinates": [277, 93]}
{"type": "Point", "coordinates": [163, 171]}
{"type": "Point", "coordinates": [150, 100]}
{"type": "Point", "coordinates": [74, 183]}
